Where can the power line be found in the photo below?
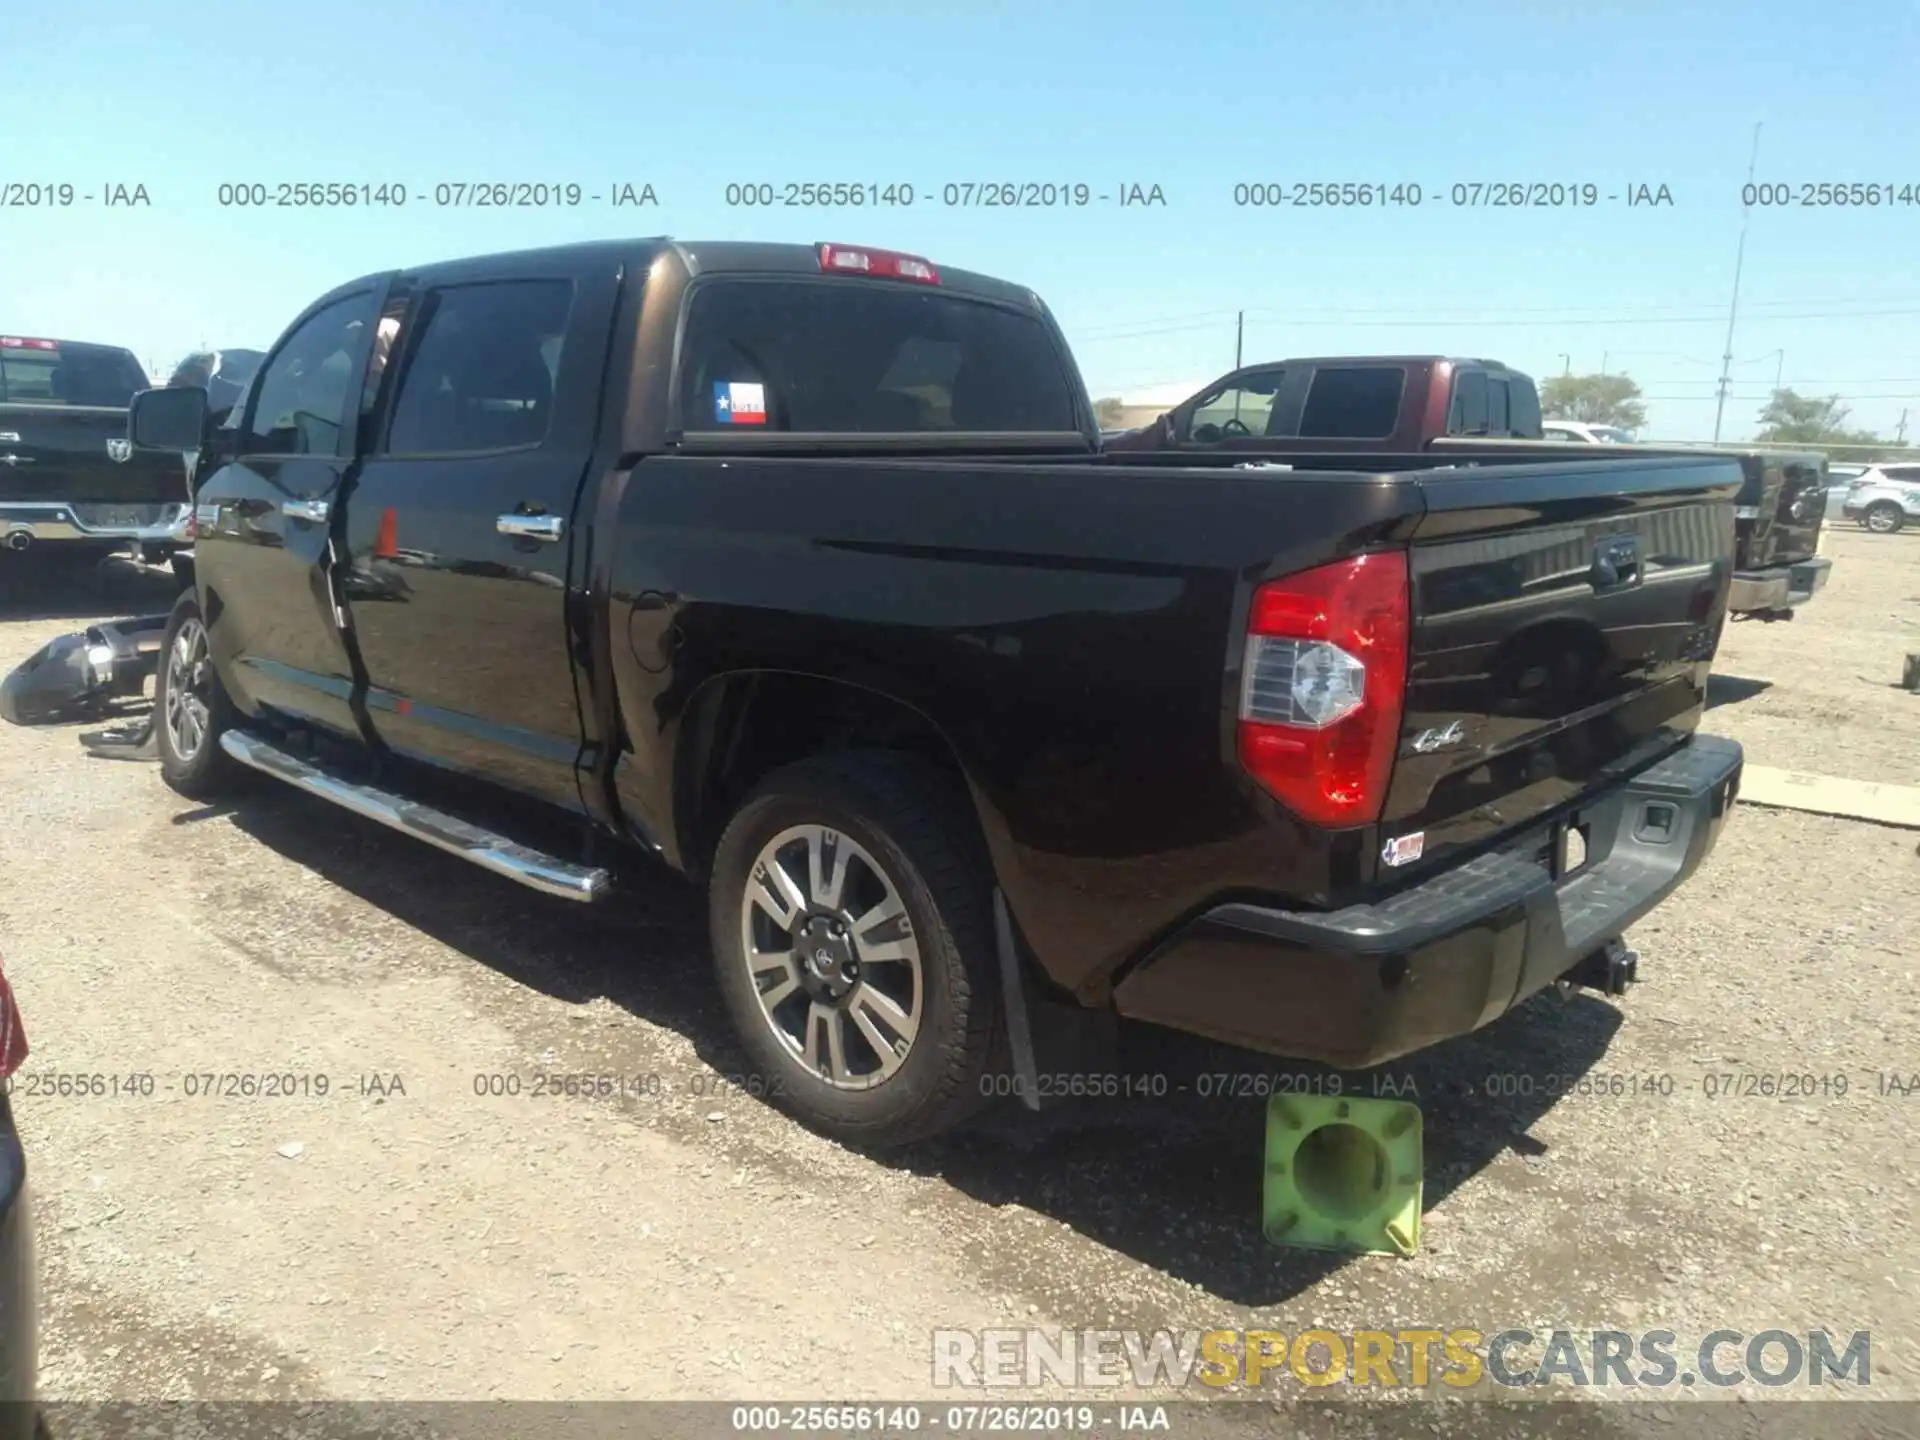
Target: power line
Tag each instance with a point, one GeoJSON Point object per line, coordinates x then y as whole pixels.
{"type": "Point", "coordinates": [1200, 318]}
{"type": "Point", "coordinates": [1739, 258]}
{"type": "Point", "coordinates": [1789, 384]}
{"type": "Point", "coordinates": [1461, 321]}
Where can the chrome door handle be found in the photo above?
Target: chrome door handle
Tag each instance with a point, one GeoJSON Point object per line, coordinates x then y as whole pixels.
{"type": "Point", "coordinates": [314, 510]}
{"type": "Point", "coordinates": [531, 527]}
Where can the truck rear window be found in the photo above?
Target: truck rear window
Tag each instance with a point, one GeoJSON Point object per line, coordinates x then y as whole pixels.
{"type": "Point", "coordinates": [855, 357]}
{"type": "Point", "coordinates": [71, 375]}
{"type": "Point", "coordinates": [1353, 402]}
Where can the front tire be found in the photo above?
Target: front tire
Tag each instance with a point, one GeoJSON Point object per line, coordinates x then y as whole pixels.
{"type": "Point", "coordinates": [853, 939]}
{"type": "Point", "coordinates": [1884, 518]}
{"type": "Point", "coordinates": [191, 709]}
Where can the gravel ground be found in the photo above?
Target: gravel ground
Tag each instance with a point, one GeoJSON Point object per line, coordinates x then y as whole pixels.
{"type": "Point", "coordinates": [403, 1237]}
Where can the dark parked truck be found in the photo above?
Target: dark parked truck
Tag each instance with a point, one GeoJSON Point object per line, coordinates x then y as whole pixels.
{"type": "Point", "coordinates": [1332, 404]}
{"type": "Point", "coordinates": [68, 475]}
{"type": "Point", "coordinates": [1777, 516]}
{"type": "Point", "coordinates": [799, 568]}
{"type": "Point", "coordinates": [1332, 408]}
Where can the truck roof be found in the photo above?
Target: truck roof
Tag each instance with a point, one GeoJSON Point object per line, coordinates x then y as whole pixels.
{"type": "Point", "coordinates": [1391, 360]}
{"type": "Point", "coordinates": [744, 256]}
{"type": "Point", "coordinates": [39, 342]}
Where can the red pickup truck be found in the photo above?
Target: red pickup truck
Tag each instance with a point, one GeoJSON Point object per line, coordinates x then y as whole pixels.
{"type": "Point", "coordinates": [1396, 403]}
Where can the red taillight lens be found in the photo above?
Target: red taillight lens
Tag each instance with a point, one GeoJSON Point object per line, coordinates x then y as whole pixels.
{"type": "Point", "coordinates": [1323, 685]}
{"type": "Point", "coordinates": [883, 264]}
{"type": "Point", "coordinates": [16, 342]}
{"type": "Point", "coordinates": [13, 1034]}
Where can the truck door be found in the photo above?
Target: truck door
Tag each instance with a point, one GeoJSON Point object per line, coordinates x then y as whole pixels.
{"type": "Point", "coordinates": [264, 520]}
{"type": "Point", "coordinates": [460, 525]}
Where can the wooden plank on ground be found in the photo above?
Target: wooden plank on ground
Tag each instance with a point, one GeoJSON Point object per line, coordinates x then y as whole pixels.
{"type": "Point", "coordinates": [1828, 795]}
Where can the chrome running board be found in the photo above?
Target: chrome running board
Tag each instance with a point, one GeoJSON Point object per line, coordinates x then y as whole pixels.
{"type": "Point", "coordinates": [520, 863]}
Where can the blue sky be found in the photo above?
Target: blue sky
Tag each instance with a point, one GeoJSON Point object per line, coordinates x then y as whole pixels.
{"type": "Point", "coordinates": [1193, 98]}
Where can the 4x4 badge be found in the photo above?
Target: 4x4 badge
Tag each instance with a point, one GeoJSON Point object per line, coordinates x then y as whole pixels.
{"type": "Point", "coordinates": [1428, 741]}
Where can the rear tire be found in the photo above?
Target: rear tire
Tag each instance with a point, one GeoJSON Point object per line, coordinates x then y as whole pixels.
{"type": "Point", "coordinates": [191, 710]}
{"type": "Point", "coordinates": [874, 1033]}
{"type": "Point", "coordinates": [1883, 517]}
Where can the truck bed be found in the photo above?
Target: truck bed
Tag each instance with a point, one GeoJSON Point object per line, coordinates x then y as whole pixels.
{"type": "Point", "coordinates": [1074, 629]}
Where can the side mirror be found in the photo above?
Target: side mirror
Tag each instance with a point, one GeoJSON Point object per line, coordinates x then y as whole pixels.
{"type": "Point", "coordinates": [169, 419]}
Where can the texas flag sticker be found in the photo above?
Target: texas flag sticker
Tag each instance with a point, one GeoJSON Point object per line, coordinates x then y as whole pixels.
{"type": "Point", "coordinates": [737, 402]}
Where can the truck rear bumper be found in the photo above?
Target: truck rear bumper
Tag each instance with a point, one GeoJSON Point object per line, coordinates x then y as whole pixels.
{"type": "Point", "coordinates": [1362, 985]}
{"type": "Point", "coordinates": [41, 521]}
{"type": "Point", "coordinates": [1779, 588]}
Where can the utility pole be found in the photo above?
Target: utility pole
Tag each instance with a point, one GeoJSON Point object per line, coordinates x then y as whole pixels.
{"type": "Point", "coordinates": [1566, 365]}
{"type": "Point", "coordinates": [1603, 360]}
{"type": "Point", "coordinates": [1733, 309]}
{"type": "Point", "coordinates": [1900, 434]}
{"type": "Point", "coordinates": [1239, 336]}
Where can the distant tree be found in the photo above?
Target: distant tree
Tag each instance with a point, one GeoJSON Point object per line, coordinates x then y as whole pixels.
{"type": "Point", "coordinates": [1109, 410]}
{"type": "Point", "coordinates": [1594, 400]}
{"type": "Point", "coordinates": [1794, 419]}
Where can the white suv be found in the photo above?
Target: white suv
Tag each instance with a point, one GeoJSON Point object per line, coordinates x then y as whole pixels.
{"type": "Point", "coordinates": [1581, 433]}
{"type": "Point", "coordinates": [1885, 498]}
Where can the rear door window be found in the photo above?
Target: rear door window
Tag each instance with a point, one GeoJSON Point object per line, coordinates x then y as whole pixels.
{"type": "Point", "coordinates": [1523, 408]}
{"type": "Point", "coordinates": [840, 356]}
{"type": "Point", "coordinates": [1497, 411]}
{"type": "Point", "coordinates": [1353, 402]}
{"type": "Point", "coordinates": [481, 376]}
{"type": "Point", "coordinates": [1469, 413]}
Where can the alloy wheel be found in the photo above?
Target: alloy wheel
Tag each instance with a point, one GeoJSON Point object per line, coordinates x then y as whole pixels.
{"type": "Point", "coordinates": [831, 956]}
{"type": "Point", "coordinates": [189, 704]}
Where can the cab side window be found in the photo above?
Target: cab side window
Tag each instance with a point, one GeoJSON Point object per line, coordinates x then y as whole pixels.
{"type": "Point", "coordinates": [1235, 411]}
{"type": "Point", "coordinates": [303, 391]}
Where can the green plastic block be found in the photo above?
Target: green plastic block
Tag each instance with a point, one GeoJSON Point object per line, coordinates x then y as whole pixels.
{"type": "Point", "coordinates": [1343, 1173]}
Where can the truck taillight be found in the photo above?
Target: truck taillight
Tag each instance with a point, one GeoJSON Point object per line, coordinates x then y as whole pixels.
{"type": "Point", "coordinates": [881, 264]}
{"type": "Point", "coordinates": [1323, 685]}
{"type": "Point", "coordinates": [16, 342]}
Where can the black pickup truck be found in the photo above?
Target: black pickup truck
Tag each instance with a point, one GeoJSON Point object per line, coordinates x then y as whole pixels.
{"type": "Point", "coordinates": [800, 568]}
{"type": "Point", "coordinates": [68, 476]}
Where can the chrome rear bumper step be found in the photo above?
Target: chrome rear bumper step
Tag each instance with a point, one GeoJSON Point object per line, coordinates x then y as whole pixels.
{"type": "Point", "coordinates": [520, 863]}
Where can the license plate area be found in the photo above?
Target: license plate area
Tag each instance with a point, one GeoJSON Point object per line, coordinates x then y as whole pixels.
{"type": "Point", "coordinates": [120, 517]}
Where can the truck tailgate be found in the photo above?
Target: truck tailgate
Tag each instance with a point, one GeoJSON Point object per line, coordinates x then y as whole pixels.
{"type": "Point", "coordinates": [79, 454]}
{"type": "Point", "coordinates": [1563, 621]}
